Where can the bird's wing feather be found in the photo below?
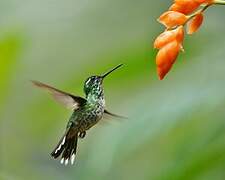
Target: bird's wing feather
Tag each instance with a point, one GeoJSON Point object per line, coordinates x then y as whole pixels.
{"type": "Point", "coordinates": [66, 99]}
{"type": "Point", "coordinates": [114, 115]}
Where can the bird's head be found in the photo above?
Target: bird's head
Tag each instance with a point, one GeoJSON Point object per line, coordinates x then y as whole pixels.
{"type": "Point", "coordinates": [93, 84]}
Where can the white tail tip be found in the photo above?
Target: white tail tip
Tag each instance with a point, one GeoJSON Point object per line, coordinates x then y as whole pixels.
{"type": "Point", "coordinates": [66, 161]}
{"type": "Point", "coordinates": [62, 161]}
{"type": "Point", "coordinates": [72, 159]}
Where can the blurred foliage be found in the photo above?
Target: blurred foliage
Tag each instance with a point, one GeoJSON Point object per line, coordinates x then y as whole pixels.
{"type": "Point", "coordinates": [10, 45]}
{"type": "Point", "coordinates": [176, 127]}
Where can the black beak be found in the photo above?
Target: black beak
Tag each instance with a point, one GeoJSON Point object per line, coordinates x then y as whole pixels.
{"type": "Point", "coordinates": [107, 73]}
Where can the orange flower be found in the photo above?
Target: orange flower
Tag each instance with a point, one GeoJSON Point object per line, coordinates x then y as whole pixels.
{"type": "Point", "coordinates": [166, 57]}
{"type": "Point", "coordinates": [170, 42]}
{"type": "Point", "coordinates": [169, 36]}
{"type": "Point", "coordinates": [195, 23]}
{"type": "Point", "coordinates": [171, 19]}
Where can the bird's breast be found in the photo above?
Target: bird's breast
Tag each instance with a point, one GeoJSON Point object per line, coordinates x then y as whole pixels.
{"type": "Point", "coordinates": [90, 116]}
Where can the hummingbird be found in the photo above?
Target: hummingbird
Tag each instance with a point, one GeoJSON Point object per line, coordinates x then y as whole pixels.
{"type": "Point", "coordinates": [87, 112]}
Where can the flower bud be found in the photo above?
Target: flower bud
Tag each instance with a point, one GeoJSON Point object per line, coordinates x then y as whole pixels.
{"type": "Point", "coordinates": [166, 57]}
{"type": "Point", "coordinates": [164, 38]}
{"type": "Point", "coordinates": [171, 19]}
{"type": "Point", "coordinates": [195, 23]}
{"type": "Point", "coordinates": [185, 6]}
{"type": "Point", "coordinates": [169, 36]}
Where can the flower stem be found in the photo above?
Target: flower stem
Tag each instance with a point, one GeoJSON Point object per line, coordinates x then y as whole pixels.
{"type": "Point", "coordinates": [219, 2]}
{"type": "Point", "coordinates": [198, 12]}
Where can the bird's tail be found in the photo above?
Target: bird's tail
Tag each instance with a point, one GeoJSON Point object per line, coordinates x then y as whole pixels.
{"type": "Point", "coordinates": [67, 146]}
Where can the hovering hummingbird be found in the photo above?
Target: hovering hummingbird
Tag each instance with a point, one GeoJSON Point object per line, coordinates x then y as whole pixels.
{"type": "Point", "coordinates": [86, 113]}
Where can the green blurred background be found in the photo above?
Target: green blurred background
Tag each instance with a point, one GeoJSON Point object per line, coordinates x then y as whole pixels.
{"type": "Point", "coordinates": [176, 127]}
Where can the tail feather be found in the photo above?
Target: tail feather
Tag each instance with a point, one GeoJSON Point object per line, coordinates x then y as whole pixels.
{"type": "Point", "coordinates": [69, 150]}
{"type": "Point", "coordinates": [67, 146]}
{"type": "Point", "coordinates": [59, 148]}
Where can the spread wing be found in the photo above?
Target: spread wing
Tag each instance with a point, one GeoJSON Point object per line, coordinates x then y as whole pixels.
{"type": "Point", "coordinates": [114, 115]}
{"type": "Point", "coordinates": [68, 100]}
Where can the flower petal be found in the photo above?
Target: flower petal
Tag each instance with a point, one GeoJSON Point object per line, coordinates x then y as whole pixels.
{"type": "Point", "coordinates": [180, 34]}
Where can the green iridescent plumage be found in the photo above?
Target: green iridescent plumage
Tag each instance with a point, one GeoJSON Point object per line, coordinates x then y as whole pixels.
{"type": "Point", "coordinates": [86, 113]}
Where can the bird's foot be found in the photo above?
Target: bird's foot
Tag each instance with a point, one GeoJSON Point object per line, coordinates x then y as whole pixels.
{"type": "Point", "coordinates": [82, 134]}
